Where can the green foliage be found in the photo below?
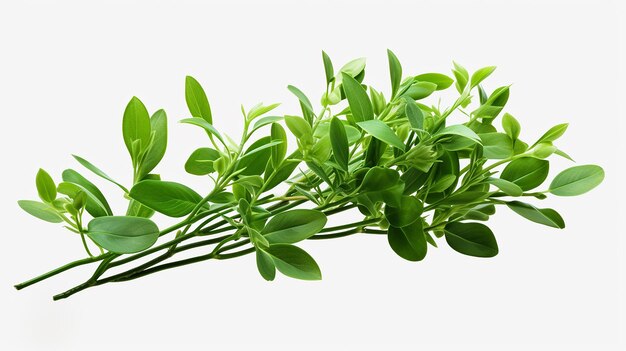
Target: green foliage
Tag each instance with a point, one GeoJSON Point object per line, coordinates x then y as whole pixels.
{"type": "Point", "coordinates": [405, 170]}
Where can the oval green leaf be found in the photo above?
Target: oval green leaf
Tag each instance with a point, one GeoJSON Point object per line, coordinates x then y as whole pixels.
{"type": "Point", "coordinates": [294, 262]}
{"type": "Point", "coordinates": [577, 180]}
{"type": "Point", "coordinates": [381, 131]}
{"type": "Point", "coordinates": [527, 172]}
{"type": "Point", "coordinates": [293, 226]}
{"type": "Point", "coordinates": [409, 242]}
{"type": "Point", "coordinates": [40, 210]}
{"type": "Point", "coordinates": [169, 198]}
{"type": "Point", "coordinates": [472, 239]}
{"type": "Point", "coordinates": [545, 216]}
{"type": "Point", "coordinates": [122, 234]}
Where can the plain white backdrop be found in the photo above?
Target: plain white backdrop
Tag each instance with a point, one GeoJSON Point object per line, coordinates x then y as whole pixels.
{"type": "Point", "coordinates": [67, 69]}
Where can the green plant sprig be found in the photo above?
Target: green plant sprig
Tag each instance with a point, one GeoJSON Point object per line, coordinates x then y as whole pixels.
{"type": "Point", "coordinates": [399, 166]}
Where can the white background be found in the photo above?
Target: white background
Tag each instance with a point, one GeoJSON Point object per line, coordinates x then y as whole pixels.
{"type": "Point", "coordinates": [67, 70]}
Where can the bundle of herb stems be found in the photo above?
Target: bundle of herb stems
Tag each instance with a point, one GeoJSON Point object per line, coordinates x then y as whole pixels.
{"type": "Point", "coordinates": [406, 172]}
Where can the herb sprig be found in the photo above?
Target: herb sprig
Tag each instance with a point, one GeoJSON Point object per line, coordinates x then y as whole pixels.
{"type": "Point", "coordinates": [407, 173]}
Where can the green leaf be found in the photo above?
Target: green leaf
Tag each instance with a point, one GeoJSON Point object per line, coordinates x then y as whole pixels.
{"type": "Point", "coordinates": [496, 145]}
{"type": "Point", "coordinates": [441, 80]}
{"type": "Point", "coordinates": [328, 68]}
{"type": "Point", "coordinates": [292, 226]}
{"type": "Point", "coordinates": [45, 186]}
{"type": "Point", "coordinates": [414, 115]}
{"type": "Point", "coordinates": [278, 150]}
{"type": "Point", "coordinates": [381, 131]}
{"type": "Point", "coordinates": [506, 186]}
{"type": "Point", "coordinates": [339, 143]}
{"type": "Point", "coordinates": [265, 121]}
{"type": "Point", "coordinates": [577, 180]}
{"type": "Point", "coordinates": [200, 162]}
{"type": "Point", "coordinates": [40, 210]}
{"type": "Point", "coordinates": [353, 68]}
{"type": "Point", "coordinates": [294, 262]}
{"type": "Point", "coordinates": [472, 239]}
{"type": "Point", "coordinates": [169, 198]}
{"type": "Point", "coordinates": [158, 124]}
{"type": "Point", "coordinates": [98, 172]}
{"type": "Point", "coordinates": [260, 110]}
{"type": "Point", "coordinates": [204, 125]}
{"type": "Point", "coordinates": [511, 126]}
{"type": "Point", "coordinates": [122, 234]}
{"type": "Point", "coordinates": [528, 173]}
{"type": "Point", "coordinates": [545, 216]}
{"type": "Point", "coordinates": [552, 134]}
{"type": "Point", "coordinates": [409, 211]}
{"type": "Point", "coordinates": [420, 90]}
{"type": "Point", "coordinates": [94, 206]}
{"type": "Point", "coordinates": [460, 130]}
{"type": "Point", "coordinates": [255, 165]}
{"type": "Point", "coordinates": [481, 74]}
{"type": "Point", "coordinates": [304, 101]}
{"type": "Point", "coordinates": [395, 71]}
{"type": "Point", "coordinates": [70, 175]}
{"type": "Point", "coordinates": [359, 102]}
{"type": "Point", "coordinates": [197, 101]}
{"type": "Point", "coordinates": [265, 265]}
{"type": "Point", "coordinates": [136, 126]}
{"type": "Point", "coordinates": [409, 242]}
{"type": "Point", "coordinates": [461, 75]}
{"type": "Point", "coordinates": [299, 127]}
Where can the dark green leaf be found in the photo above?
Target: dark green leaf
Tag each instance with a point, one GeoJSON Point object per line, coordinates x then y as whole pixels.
{"type": "Point", "coordinates": [256, 164]}
{"type": "Point", "coordinates": [200, 162]}
{"type": "Point", "coordinates": [577, 180]}
{"type": "Point", "coordinates": [122, 234]}
{"type": "Point", "coordinates": [265, 265]}
{"type": "Point", "coordinates": [473, 239]}
{"type": "Point", "coordinates": [545, 216]}
{"type": "Point", "coordinates": [409, 242]}
{"type": "Point", "coordinates": [170, 198]}
{"type": "Point", "coordinates": [408, 212]}
{"type": "Point", "coordinates": [528, 173]}
{"type": "Point", "coordinates": [292, 226]}
{"type": "Point", "coordinates": [294, 262]}
{"type": "Point", "coordinates": [196, 99]}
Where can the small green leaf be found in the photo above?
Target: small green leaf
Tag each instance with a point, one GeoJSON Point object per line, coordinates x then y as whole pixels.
{"type": "Point", "coordinates": [158, 124]}
{"type": "Point", "coordinates": [545, 216]}
{"type": "Point", "coordinates": [265, 121]}
{"type": "Point", "coordinates": [294, 262]}
{"type": "Point", "coordinates": [553, 134]}
{"type": "Point", "coordinates": [70, 175]}
{"type": "Point", "coordinates": [265, 265]}
{"type": "Point", "coordinates": [169, 198]}
{"type": "Point", "coordinates": [339, 143]}
{"type": "Point", "coordinates": [136, 126]}
{"type": "Point", "coordinates": [420, 90]}
{"type": "Point", "coordinates": [45, 186]}
{"type": "Point", "coordinates": [441, 80]}
{"type": "Point", "coordinates": [511, 126]}
{"type": "Point", "coordinates": [98, 172]}
{"type": "Point", "coordinates": [204, 125]}
{"type": "Point", "coordinates": [359, 102]}
{"type": "Point", "coordinates": [528, 173]}
{"type": "Point", "coordinates": [260, 110]}
{"type": "Point", "coordinates": [577, 180]}
{"type": "Point", "coordinates": [472, 239]}
{"type": "Point", "coordinates": [197, 101]}
{"type": "Point", "coordinates": [409, 242]}
{"type": "Point", "coordinates": [506, 186]}
{"type": "Point", "coordinates": [278, 150]}
{"type": "Point", "coordinates": [395, 71]}
{"type": "Point", "coordinates": [256, 165]}
{"type": "Point", "coordinates": [40, 210]}
{"type": "Point", "coordinates": [328, 68]}
{"type": "Point", "coordinates": [292, 226]}
{"type": "Point", "coordinates": [200, 162]}
{"type": "Point", "coordinates": [381, 131]}
{"type": "Point", "coordinates": [304, 101]}
{"type": "Point", "coordinates": [122, 234]}
{"type": "Point", "coordinates": [414, 115]}
{"type": "Point", "coordinates": [481, 74]}
{"type": "Point", "coordinates": [460, 130]}
{"type": "Point", "coordinates": [461, 75]}
{"type": "Point", "coordinates": [299, 127]}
